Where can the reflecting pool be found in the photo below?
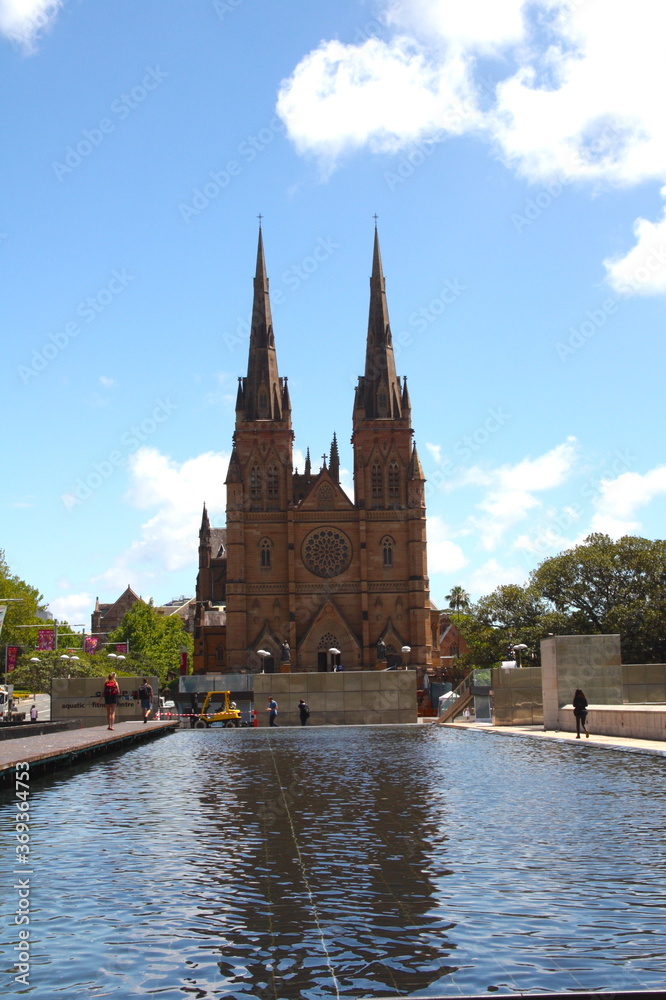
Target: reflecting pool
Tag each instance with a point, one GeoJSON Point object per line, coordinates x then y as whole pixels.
{"type": "Point", "coordinates": [356, 862]}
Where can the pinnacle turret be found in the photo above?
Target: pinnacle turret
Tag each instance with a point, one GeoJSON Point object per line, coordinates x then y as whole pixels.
{"type": "Point", "coordinates": [334, 463]}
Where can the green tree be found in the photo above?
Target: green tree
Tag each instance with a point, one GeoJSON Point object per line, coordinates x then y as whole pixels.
{"type": "Point", "coordinates": [605, 586]}
{"type": "Point", "coordinates": [35, 670]}
{"type": "Point", "coordinates": [154, 641]}
{"type": "Point", "coordinates": [19, 612]}
{"type": "Point", "coordinates": [458, 599]}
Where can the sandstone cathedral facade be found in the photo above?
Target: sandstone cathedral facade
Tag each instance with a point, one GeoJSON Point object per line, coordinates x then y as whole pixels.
{"type": "Point", "coordinates": [300, 571]}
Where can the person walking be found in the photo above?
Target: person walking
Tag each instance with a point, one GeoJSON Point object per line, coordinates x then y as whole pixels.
{"type": "Point", "coordinates": [272, 711]}
{"type": "Point", "coordinates": [304, 712]}
{"type": "Point", "coordinates": [111, 695]}
{"type": "Point", "coordinates": [580, 712]}
{"type": "Point", "coordinates": [33, 713]}
{"type": "Point", "coordinates": [146, 697]}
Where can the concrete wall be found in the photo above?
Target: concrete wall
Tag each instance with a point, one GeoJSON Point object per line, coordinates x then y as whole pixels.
{"type": "Point", "coordinates": [639, 722]}
{"type": "Point", "coordinates": [517, 697]}
{"type": "Point", "coordinates": [82, 698]}
{"type": "Point", "coordinates": [353, 698]}
{"type": "Point", "coordinates": [590, 662]}
{"type": "Point", "coordinates": [644, 683]}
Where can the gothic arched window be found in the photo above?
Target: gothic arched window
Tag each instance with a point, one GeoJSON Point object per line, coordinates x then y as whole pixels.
{"type": "Point", "coordinates": [377, 483]}
{"type": "Point", "coordinates": [255, 483]}
{"type": "Point", "coordinates": [394, 482]}
{"type": "Point", "coordinates": [387, 551]}
{"type": "Point", "coordinates": [272, 483]}
{"type": "Point", "coordinates": [266, 549]}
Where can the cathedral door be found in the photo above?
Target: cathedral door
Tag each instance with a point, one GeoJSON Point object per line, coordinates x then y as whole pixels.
{"type": "Point", "coordinates": [322, 662]}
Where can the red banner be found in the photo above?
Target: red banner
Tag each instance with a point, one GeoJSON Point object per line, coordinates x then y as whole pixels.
{"type": "Point", "coordinates": [12, 656]}
{"type": "Point", "coordinates": [46, 638]}
{"type": "Point", "coordinates": [91, 642]}
{"type": "Point", "coordinates": [121, 648]}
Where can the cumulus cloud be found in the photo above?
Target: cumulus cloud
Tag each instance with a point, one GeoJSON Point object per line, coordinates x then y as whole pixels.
{"type": "Point", "coordinates": [621, 498]}
{"type": "Point", "coordinates": [491, 574]}
{"type": "Point", "coordinates": [175, 492]}
{"type": "Point", "coordinates": [642, 271]}
{"type": "Point", "coordinates": [444, 556]}
{"type": "Point", "coordinates": [73, 608]}
{"type": "Point", "coordinates": [574, 95]}
{"type": "Point", "coordinates": [22, 20]}
{"type": "Point", "coordinates": [510, 490]}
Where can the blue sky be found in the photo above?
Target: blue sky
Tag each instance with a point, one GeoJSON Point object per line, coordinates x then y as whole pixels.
{"type": "Point", "coordinates": [515, 154]}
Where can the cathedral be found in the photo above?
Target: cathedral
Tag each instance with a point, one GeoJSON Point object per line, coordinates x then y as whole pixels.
{"type": "Point", "coordinates": [302, 578]}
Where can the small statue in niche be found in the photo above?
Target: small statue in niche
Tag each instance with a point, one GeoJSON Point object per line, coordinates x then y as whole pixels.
{"type": "Point", "coordinates": [381, 649]}
{"type": "Point", "coordinates": [285, 655]}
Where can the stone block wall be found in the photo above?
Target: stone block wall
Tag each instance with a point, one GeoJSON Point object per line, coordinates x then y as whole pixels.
{"type": "Point", "coordinates": [517, 696]}
{"type": "Point", "coordinates": [82, 698]}
{"type": "Point", "coordinates": [590, 662]}
{"type": "Point", "coordinates": [354, 698]}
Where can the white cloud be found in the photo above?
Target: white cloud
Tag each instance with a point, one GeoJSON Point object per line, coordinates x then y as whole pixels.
{"type": "Point", "coordinates": [642, 271]}
{"type": "Point", "coordinates": [510, 490]}
{"type": "Point", "coordinates": [578, 98]}
{"type": "Point", "coordinates": [444, 556]}
{"type": "Point", "coordinates": [75, 609]}
{"type": "Point", "coordinates": [622, 497]}
{"type": "Point", "coordinates": [386, 95]}
{"type": "Point", "coordinates": [22, 20]}
{"type": "Point", "coordinates": [436, 451]}
{"type": "Point", "coordinates": [169, 538]}
{"type": "Point", "coordinates": [107, 382]}
{"type": "Point", "coordinates": [492, 574]}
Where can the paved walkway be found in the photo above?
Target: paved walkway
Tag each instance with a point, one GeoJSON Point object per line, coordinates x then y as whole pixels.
{"type": "Point", "coordinates": [60, 749]}
{"type": "Point", "coordinates": [539, 733]}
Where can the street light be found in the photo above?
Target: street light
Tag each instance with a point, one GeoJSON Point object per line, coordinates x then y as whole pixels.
{"type": "Point", "coordinates": [263, 653]}
{"type": "Point", "coordinates": [518, 648]}
{"type": "Point", "coordinates": [406, 650]}
{"type": "Point", "coordinates": [334, 652]}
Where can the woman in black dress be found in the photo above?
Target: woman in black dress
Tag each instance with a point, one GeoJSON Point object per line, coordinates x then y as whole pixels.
{"type": "Point", "coordinates": [580, 712]}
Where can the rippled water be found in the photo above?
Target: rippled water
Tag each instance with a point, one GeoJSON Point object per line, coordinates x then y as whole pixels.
{"type": "Point", "coordinates": [356, 862]}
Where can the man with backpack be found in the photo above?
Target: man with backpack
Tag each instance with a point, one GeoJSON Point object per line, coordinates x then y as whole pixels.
{"type": "Point", "coordinates": [146, 698]}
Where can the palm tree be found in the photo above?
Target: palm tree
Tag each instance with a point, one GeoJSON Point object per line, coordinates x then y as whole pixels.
{"type": "Point", "coordinates": [458, 599]}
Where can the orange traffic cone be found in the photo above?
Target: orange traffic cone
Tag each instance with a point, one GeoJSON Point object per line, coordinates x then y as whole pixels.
{"type": "Point", "coordinates": [255, 720]}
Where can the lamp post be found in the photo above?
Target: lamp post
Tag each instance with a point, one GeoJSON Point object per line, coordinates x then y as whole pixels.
{"type": "Point", "coordinates": [334, 652]}
{"type": "Point", "coordinates": [518, 648]}
{"type": "Point", "coordinates": [406, 650]}
{"type": "Point", "coordinates": [263, 653]}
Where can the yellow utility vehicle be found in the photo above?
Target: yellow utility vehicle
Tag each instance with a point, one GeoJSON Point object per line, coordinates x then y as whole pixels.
{"type": "Point", "coordinates": [218, 710]}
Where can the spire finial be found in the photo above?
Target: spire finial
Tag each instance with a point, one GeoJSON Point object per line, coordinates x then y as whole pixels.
{"type": "Point", "coordinates": [375, 217]}
{"type": "Point", "coordinates": [260, 217]}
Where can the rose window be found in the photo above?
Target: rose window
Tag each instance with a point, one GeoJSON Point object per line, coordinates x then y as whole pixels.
{"type": "Point", "coordinates": [326, 552]}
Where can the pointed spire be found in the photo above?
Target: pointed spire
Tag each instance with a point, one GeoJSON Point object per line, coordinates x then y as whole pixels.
{"type": "Point", "coordinates": [240, 396]}
{"type": "Point", "coordinates": [381, 389]}
{"type": "Point", "coordinates": [308, 463]}
{"type": "Point", "coordinates": [334, 464]}
{"type": "Point", "coordinates": [415, 467]}
{"type": "Point", "coordinates": [406, 404]}
{"type": "Point", "coordinates": [205, 523]}
{"type": "Point", "coordinates": [262, 389]}
{"type": "Point", "coordinates": [286, 401]}
{"type": "Point", "coordinates": [234, 473]}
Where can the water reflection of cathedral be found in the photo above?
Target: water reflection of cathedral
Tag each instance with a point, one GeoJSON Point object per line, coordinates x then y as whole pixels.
{"type": "Point", "coordinates": [299, 562]}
